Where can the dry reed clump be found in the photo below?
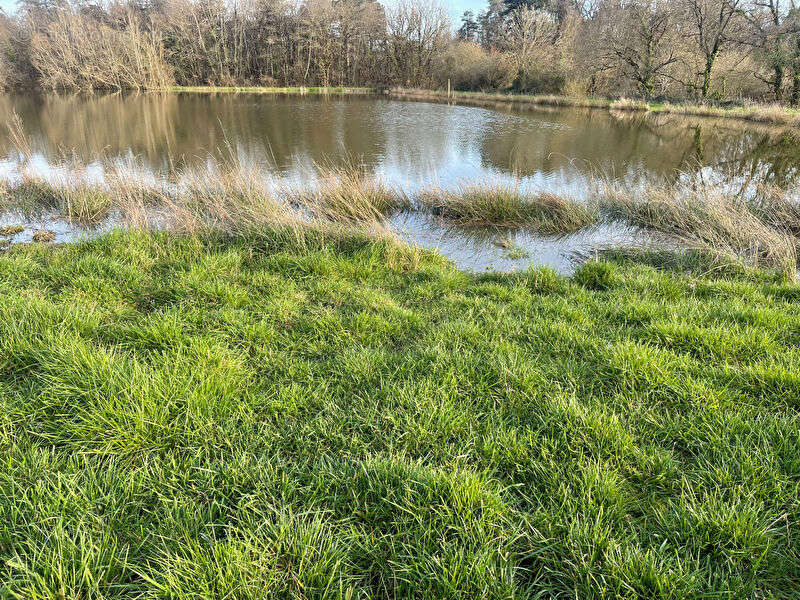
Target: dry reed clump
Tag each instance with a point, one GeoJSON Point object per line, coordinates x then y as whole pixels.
{"type": "Point", "coordinates": [775, 207]}
{"type": "Point", "coordinates": [234, 199]}
{"type": "Point", "coordinates": [348, 196]}
{"type": "Point", "coordinates": [629, 104]}
{"type": "Point", "coordinates": [44, 236]}
{"type": "Point", "coordinates": [138, 202]}
{"type": "Point", "coordinates": [705, 218]}
{"type": "Point", "coordinates": [507, 206]}
{"type": "Point", "coordinates": [11, 230]}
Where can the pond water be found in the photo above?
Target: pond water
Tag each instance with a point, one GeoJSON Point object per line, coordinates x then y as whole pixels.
{"type": "Point", "coordinates": [410, 145]}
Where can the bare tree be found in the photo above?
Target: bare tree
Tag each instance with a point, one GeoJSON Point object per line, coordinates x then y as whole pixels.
{"type": "Point", "coordinates": [638, 40]}
{"type": "Point", "coordinates": [418, 30]}
{"type": "Point", "coordinates": [773, 30]}
{"type": "Point", "coordinates": [711, 23]}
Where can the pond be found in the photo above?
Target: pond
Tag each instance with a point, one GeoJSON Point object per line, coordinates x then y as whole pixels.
{"type": "Point", "coordinates": [408, 145]}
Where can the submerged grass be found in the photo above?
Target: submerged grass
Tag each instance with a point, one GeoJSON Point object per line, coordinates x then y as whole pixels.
{"type": "Point", "coordinates": [250, 416]}
{"type": "Point", "coordinates": [507, 206]}
{"type": "Point", "coordinates": [77, 201]}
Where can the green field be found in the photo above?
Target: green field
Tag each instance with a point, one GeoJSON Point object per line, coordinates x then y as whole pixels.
{"type": "Point", "coordinates": [202, 417]}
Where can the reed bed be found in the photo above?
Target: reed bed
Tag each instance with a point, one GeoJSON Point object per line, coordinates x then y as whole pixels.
{"type": "Point", "coordinates": [229, 198]}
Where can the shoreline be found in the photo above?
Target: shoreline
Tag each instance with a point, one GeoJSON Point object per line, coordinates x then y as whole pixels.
{"type": "Point", "coordinates": [757, 113]}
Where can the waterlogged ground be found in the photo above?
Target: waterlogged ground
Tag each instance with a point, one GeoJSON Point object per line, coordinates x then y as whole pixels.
{"type": "Point", "coordinates": [475, 249]}
{"type": "Point", "coordinates": [407, 145]}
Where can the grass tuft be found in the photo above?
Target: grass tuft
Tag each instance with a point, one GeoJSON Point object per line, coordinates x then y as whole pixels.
{"type": "Point", "coordinates": [11, 230]}
{"type": "Point", "coordinates": [44, 236]}
{"type": "Point", "coordinates": [80, 202]}
{"type": "Point", "coordinates": [350, 196]}
{"type": "Point", "coordinates": [506, 206]}
{"type": "Point", "coordinates": [596, 275]}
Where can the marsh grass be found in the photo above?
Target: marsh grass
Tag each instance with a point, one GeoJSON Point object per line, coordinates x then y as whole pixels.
{"type": "Point", "coordinates": [237, 198]}
{"type": "Point", "coordinates": [231, 198]}
{"type": "Point", "coordinates": [506, 206]}
{"type": "Point", "coordinates": [706, 218]}
{"type": "Point", "coordinates": [82, 203]}
{"type": "Point", "coordinates": [43, 236]}
{"type": "Point", "coordinates": [777, 208]}
{"type": "Point", "coordinates": [30, 195]}
{"type": "Point", "coordinates": [77, 201]}
{"type": "Point", "coordinates": [350, 195]}
{"type": "Point", "coordinates": [251, 415]}
{"type": "Point", "coordinates": [11, 230]}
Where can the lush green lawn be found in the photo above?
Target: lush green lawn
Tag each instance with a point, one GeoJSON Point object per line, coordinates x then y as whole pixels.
{"type": "Point", "coordinates": [204, 419]}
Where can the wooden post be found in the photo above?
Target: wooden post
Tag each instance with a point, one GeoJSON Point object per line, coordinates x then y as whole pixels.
{"type": "Point", "coordinates": [448, 88]}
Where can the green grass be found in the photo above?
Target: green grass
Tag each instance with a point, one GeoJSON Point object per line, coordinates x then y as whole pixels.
{"type": "Point", "coordinates": [207, 417]}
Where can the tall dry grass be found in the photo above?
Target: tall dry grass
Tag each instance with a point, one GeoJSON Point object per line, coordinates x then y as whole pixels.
{"type": "Point", "coordinates": [226, 197]}
{"type": "Point", "coordinates": [706, 217]}
{"type": "Point", "coordinates": [350, 195]}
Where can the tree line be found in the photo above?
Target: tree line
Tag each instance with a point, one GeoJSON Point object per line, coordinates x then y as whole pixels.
{"type": "Point", "coordinates": [671, 48]}
{"type": "Point", "coordinates": [707, 49]}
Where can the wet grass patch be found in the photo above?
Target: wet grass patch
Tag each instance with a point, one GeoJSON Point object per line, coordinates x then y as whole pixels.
{"type": "Point", "coordinates": [79, 202]}
{"type": "Point", "coordinates": [507, 206]}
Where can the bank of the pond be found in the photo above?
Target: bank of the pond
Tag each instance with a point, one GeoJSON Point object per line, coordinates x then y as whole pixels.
{"type": "Point", "coordinates": [769, 114]}
{"type": "Point", "coordinates": [762, 230]}
{"type": "Point", "coordinates": [334, 417]}
{"type": "Point", "coordinates": [295, 90]}
{"type": "Point", "coordinates": [772, 114]}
